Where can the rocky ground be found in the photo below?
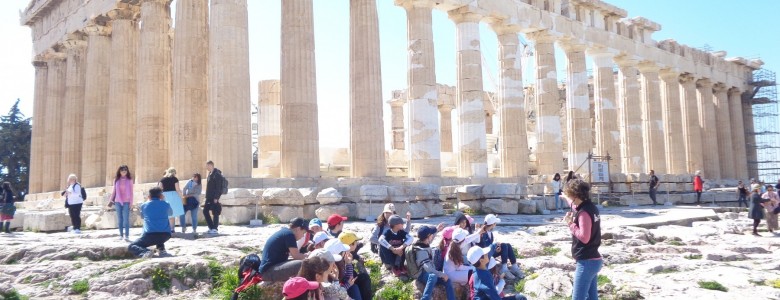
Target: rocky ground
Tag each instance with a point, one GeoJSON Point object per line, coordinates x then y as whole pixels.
{"type": "Point", "coordinates": [649, 254]}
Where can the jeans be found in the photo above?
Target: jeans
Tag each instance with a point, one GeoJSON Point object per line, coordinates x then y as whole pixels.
{"type": "Point", "coordinates": [74, 210]}
{"type": "Point", "coordinates": [158, 239]}
{"type": "Point", "coordinates": [430, 281]}
{"type": "Point", "coordinates": [507, 253]}
{"type": "Point", "coordinates": [354, 292]}
{"type": "Point", "coordinates": [585, 283]}
{"type": "Point", "coordinates": [193, 216]}
{"type": "Point", "coordinates": [652, 194]}
{"type": "Point", "coordinates": [558, 204]}
{"type": "Point", "coordinates": [742, 199]}
{"type": "Point", "coordinates": [123, 218]}
{"type": "Point", "coordinates": [389, 258]}
{"type": "Point", "coordinates": [698, 196]}
{"type": "Point", "coordinates": [208, 212]}
{"type": "Point", "coordinates": [282, 271]}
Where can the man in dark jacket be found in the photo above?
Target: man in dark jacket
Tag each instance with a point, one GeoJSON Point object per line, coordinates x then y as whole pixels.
{"type": "Point", "coordinates": [212, 209]}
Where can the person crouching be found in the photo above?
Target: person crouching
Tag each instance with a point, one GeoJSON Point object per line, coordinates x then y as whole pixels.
{"type": "Point", "coordinates": [157, 230]}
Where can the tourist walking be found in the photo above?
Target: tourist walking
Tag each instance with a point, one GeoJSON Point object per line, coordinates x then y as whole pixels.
{"type": "Point", "coordinates": [698, 186]}
{"type": "Point", "coordinates": [742, 193]}
{"type": "Point", "coordinates": [122, 200]}
{"type": "Point", "coordinates": [157, 230]}
{"type": "Point", "coordinates": [192, 192]}
{"type": "Point", "coordinates": [215, 183]}
{"type": "Point", "coordinates": [556, 189]}
{"type": "Point", "coordinates": [585, 226]}
{"type": "Point", "coordinates": [170, 187]}
{"type": "Point", "coordinates": [569, 177]}
{"type": "Point", "coordinates": [756, 209]}
{"type": "Point", "coordinates": [774, 201]}
{"type": "Point", "coordinates": [653, 186]}
{"type": "Point", "coordinates": [7, 206]}
{"type": "Point", "coordinates": [73, 201]}
{"type": "Point", "coordinates": [279, 247]}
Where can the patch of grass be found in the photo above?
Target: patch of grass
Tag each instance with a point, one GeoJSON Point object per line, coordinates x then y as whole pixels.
{"type": "Point", "coordinates": [228, 280]}
{"type": "Point", "coordinates": [247, 250]}
{"type": "Point", "coordinates": [713, 285]}
{"type": "Point", "coordinates": [28, 279]}
{"type": "Point", "coordinates": [473, 212]}
{"type": "Point", "coordinates": [541, 233]}
{"type": "Point", "coordinates": [550, 251]}
{"type": "Point", "coordinates": [375, 273]}
{"type": "Point", "coordinates": [11, 261]}
{"type": "Point", "coordinates": [669, 270]}
{"type": "Point", "coordinates": [161, 281]}
{"type": "Point", "coordinates": [215, 269]}
{"type": "Point", "coordinates": [693, 256]}
{"type": "Point", "coordinates": [520, 285]}
{"type": "Point", "coordinates": [13, 295]}
{"type": "Point", "coordinates": [559, 297]}
{"type": "Point", "coordinates": [397, 290]}
{"type": "Point", "coordinates": [758, 282]}
{"type": "Point", "coordinates": [269, 219]}
{"type": "Point", "coordinates": [675, 243]}
{"type": "Point", "coordinates": [517, 253]}
{"type": "Point", "coordinates": [774, 283]}
{"type": "Point", "coordinates": [602, 280]}
{"type": "Point", "coordinates": [80, 287]}
{"type": "Point", "coordinates": [191, 272]}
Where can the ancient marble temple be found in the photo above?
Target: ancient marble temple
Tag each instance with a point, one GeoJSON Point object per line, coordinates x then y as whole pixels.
{"type": "Point", "coordinates": [116, 84]}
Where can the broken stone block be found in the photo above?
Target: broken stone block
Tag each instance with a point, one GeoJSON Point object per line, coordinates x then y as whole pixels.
{"type": "Point", "coordinates": [46, 221]}
{"type": "Point", "coordinates": [325, 211]}
{"type": "Point", "coordinates": [329, 196]}
{"type": "Point", "coordinates": [373, 193]}
{"type": "Point", "coordinates": [282, 196]}
{"type": "Point", "coordinates": [500, 206]}
{"type": "Point", "coordinates": [469, 192]}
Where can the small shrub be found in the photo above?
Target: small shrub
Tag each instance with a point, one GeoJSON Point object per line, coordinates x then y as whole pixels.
{"type": "Point", "coordinates": [397, 290]}
{"type": "Point", "coordinates": [520, 285]}
{"type": "Point", "coordinates": [774, 283]}
{"type": "Point", "coordinates": [550, 251]}
{"type": "Point", "coordinates": [215, 269]}
{"type": "Point", "coordinates": [602, 280]}
{"type": "Point", "coordinates": [375, 273]}
{"type": "Point", "coordinates": [161, 281]}
{"type": "Point", "coordinates": [676, 243]}
{"type": "Point", "coordinates": [517, 253]}
{"type": "Point", "coordinates": [13, 295]}
{"type": "Point", "coordinates": [693, 256]}
{"type": "Point", "coordinates": [80, 287]}
{"type": "Point", "coordinates": [758, 282]}
{"type": "Point", "coordinates": [713, 285]}
{"type": "Point", "coordinates": [270, 219]}
{"type": "Point", "coordinates": [228, 280]}
{"type": "Point", "coordinates": [669, 270]}
{"type": "Point", "coordinates": [541, 233]}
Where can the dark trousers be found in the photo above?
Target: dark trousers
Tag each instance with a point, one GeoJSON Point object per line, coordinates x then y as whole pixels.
{"type": "Point", "coordinates": [158, 239]}
{"type": "Point", "coordinates": [282, 271]}
{"type": "Point", "coordinates": [389, 258]}
{"type": "Point", "coordinates": [211, 216]}
{"type": "Point", "coordinates": [507, 253]}
{"type": "Point", "coordinates": [742, 199]}
{"type": "Point", "coordinates": [74, 210]}
{"type": "Point", "coordinates": [698, 196]}
{"type": "Point", "coordinates": [363, 282]}
{"type": "Point", "coordinates": [652, 195]}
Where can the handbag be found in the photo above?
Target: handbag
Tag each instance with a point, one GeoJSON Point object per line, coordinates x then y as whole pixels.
{"type": "Point", "coordinates": [190, 204]}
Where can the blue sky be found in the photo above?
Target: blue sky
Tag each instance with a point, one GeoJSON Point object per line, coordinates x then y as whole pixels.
{"type": "Point", "coordinates": [746, 28]}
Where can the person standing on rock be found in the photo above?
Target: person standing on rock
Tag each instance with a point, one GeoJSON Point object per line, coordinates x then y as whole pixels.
{"type": "Point", "coordinates": [215, 182]}
{"type": "Point", "coordinates": [556, 189]}
{"type": "Point", "coordinates": [742, 193]}
{"type": "Point", "coordinates": [74, 201]}
{"type": "Point", "coordinates": [756, 208]}
{"type": "Point", "coordinates": [122, 199]}
{"type": "Point", "coordinates": [585, 226]}
{"type": "Point", "coordinates": [7, 207]}
{"type": "Point", "coordinates": [698, 186]}
{"type": "Point", "coordinates": [170, 187]}
{"type": "Point", "coordinates": [653, 186]}
{"type": "Point", "coordinates": [192, 192]}
{"type": "Point", "coordinates": [276, 265]}
{"type": "Point", "coordinates": [157, 230]}
{"type": "Point", "coordinates": [774, 201]}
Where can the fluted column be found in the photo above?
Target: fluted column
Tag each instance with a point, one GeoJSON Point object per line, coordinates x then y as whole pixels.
{"type": "Point", "coordinates": [189, 120]}
{"type": "Point", "coordinates": [630, 118]}
{"type": "Point", "coordinates": [708, 127]}
{"type": "Point", "coordinates": [72, 109]}
{"type": "Point", "coordinates": [607, 131]}
{"type": "Point", "coordinates": [675, 141]}
{"type": "Point", "coordinates": [580, 137]}
{"type": "Point", "coordinates": [55, 98]}
{"type": "Point", "coordinates": [38, 128]}
{"type": "Point", "coordinates": [96, 94]}
{"type": "Point", "coordinates": [472, 142]}
{"type": "Point", "coordinates": [549, 143]}
{"type": "Point", "coordinates": [154, 91]}
{"type": "Point", "coordinates": [270, 131]}
{"type": "Point", "coordinates": [724, 126]}
{"type": "Point", "coordinates": [652, 119]}
{"type": "Point", "coordinates": [750, 138]}
{"type": "Point", "coordinates": [690, 118]}
{"type": "Point", "coordinates": [122, 91]}
{"type": "Point", "coordinates": [367, 137]}
{"type": "Point", "coordinates": [512, 139]}
{"type": "Point", "coordinates": [300, 135]}
{"type": "Point", "coordinates": [738, 134]}
{"type": "Point", "coordinates": [445, 118]}
{"type": "Point", "coordinates": [397, 122]}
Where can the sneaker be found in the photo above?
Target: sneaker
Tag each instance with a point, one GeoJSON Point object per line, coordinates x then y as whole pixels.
{"type": "Point", "coordinates": [147, 254]}
{"type": "Point", "coordinates": [162, 253]}
{"type": "Point", "coordinates": [77, 231]}
{"type": "Point", "coordinates": [127, 239]}
{"type": "Point", "coordinates": [184, 230]}
{"type": "Point", "coordinates": [514, 269]}
{"type": "Point", "coordinates": [508, 275]}
{"type": "Point", "coordinates": [122, 238]}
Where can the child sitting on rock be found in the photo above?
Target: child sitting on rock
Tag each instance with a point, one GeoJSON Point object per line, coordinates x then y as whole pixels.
{"type": "Point", "coordinates": [381, 225]}
{"type": "Point", "coordinates": [503, 250]}
{"type": "Point", "coordinates": [298, 288]}
{"type": "Point", "coordinates": [393, 243]}
{"type": "Point", "coordinates": [481, 284]}
{"type": "Point", "coordinates": [362, 280]}
{"type": "Point", "coordinates": [318, 242]}
{"type": "Point", "coordinates": [456, 266]}
{"type": "Point", "coordinates": [315, 268]}
{"type": "Point", "coordinates": [424, 260]}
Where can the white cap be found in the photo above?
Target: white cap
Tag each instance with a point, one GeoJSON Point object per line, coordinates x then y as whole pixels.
{"type": "Point", "coordinates": [335, 247]}
{"type": "Point", "coordinates": [492, 219]}
{"type": "Point", "coordinates": [320, 236]}
{"type": "Point", "coordinates": [389, 208]}
{"type": "Point", "coordinates": [326, 255]}
{"type": "Point", "coordinates": [492, 263]}
{"type": "Point", "coordinates": [476, 252]}
{"type": "Point", "coordinates": [459, 235]}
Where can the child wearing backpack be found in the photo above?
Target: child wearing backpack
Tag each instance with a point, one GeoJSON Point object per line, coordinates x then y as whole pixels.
{"type": "Point", "coordinates": [420, 264]}
{"type": "Point", "coordinates": [393, 243]}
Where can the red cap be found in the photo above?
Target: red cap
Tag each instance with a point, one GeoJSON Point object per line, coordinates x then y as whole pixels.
{"type": "Point", "coordinates": [296, 286]}
{"type": "Point", "coordinates": [335, 219]}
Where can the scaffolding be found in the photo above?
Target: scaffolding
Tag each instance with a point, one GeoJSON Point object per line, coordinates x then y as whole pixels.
{"type": "Point", "coordinates": [764, 137]}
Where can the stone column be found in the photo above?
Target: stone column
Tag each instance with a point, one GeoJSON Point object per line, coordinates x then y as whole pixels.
{"type": "Point", "coordinates": [472, 152]}
{"type": "Point", "coordinates": [607, 131]}
{"type": "Point", "coordinates": [300, 135]}
{"type": "Point", "coordinates": [690, 118]}
{"type": "Point", "coordinates": [270, 131]}
{"type": "Point", "coordinates": [630, 118]}
{"type": "Point", "coordinates": [122, 91]}
{"type": "Point", "coordinates": [38, 128]}
{"type": "Point", "coordinates": [675, 141]}
{"type": "Point", "coordinates": [154, 91]}
{"type": "Point", "coordinates": [424, 136]}
{"type": "Point", "coordinates": [580, 137]}
{"type": "Point", "coordinates": [512, 139]}
{"type": "Point", "coordinates": [738, 134]}
{"type": "Point", "coordinates": [367, 138]}
{"type": "Point", "coordinates": [445, 118]}
{"type": "Point", "coordinates": [397, 122]}
{"type": "Point", "coordinates": [652, 119]}
{"type": "Point", "coordinates": [709, 131]}
{"type": "Point", "coordinates": [52, 139]}
{"type": "Point", "coordinates": [750, 138]}
{"type": "Point", "coordinates": [96, 95]}
{"type": "Point", "coordinates": [230, 118]}
{"type": "Point", "coordinates": [72, 110]}
{"type": "Point", "coordinates": [549, 143]}
{"type": "Point", "coordinates": [189, 117]}
{"type": "Point", "coordinates": [724, 126]}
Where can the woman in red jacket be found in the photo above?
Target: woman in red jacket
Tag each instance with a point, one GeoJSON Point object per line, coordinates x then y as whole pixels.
{"type": "Point", "coordinates": [698, 186]}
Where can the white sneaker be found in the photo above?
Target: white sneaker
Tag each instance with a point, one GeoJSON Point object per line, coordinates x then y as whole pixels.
{"type": "Point", "coordinates": [508, 275]}
{"type": "Point", "coordinates": [514, 269]}
{"type": "Point", "coordinates": [77, 231]}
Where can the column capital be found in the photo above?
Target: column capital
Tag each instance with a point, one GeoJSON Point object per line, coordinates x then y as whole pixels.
{"type": "Point", "coordinates": [625, 61]}
{"type": "Point", "coordinates": [570, 46]}
{"type": "Point", "coordinates": [735, 91]}
{"type": "Point", "coordinates": [124, 11]}
{"type": "Point", "coordinates": [397, 102]}
{"type": "Point", "coordinates": [407, 4]}
{"type": "Point", "coordinates": [95, 29]}
{"type": "Point", "coordinates": [446, 107]}
{"type": "Point", "coordinates": [74, 41]}
{"type": "Point", "coordinates": [541, 36]}
{"type": "Point", "coordinates": [39, 63]}
{"type": "Point", "coordinates": [704, 83]}
{"type": "Point", "coordinates": [669, 74]}
{"type": "Point", "coordinates": [54, 55]}
{"type": "Point", "coordinates": [502, 29]}
{"type": "Point", "coordinates": [459, 16]}
{"type": "Point", "coordinates": [648, 67]}
{"type": "Point", "coordinates": [719, 87]}
{"type": "Point", "coordinates": [163, 2]}
{"type": "Point", "coordinates": [686, 78]}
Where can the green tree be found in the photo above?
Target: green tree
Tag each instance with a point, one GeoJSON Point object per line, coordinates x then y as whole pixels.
{"type": "Point", "coordinates": [15, 134]}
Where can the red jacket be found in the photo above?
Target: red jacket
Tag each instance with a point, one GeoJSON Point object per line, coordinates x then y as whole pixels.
{"type": "Point", "coordinates": [698, 184]}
